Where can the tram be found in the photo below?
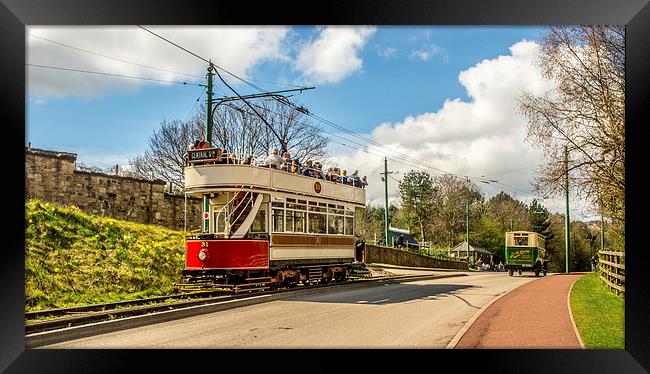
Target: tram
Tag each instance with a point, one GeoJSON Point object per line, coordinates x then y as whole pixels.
{"type": "Point", "coordinates": [264, 224]}
{"type": "Point", "coordinates": [525, 251]}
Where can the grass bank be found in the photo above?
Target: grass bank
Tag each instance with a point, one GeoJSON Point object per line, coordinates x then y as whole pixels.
{"type": "Point", "coordinates": [73, 258]}
{"type": "Point", "coordinates": [599, 314]}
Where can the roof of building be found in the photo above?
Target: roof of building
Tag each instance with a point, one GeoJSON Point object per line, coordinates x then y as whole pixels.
{"type": "Point", "coordinates": [462, 247]}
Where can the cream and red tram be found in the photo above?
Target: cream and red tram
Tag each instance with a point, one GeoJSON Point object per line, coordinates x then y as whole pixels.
{"type": "Point", "coordinates": [259, 222]}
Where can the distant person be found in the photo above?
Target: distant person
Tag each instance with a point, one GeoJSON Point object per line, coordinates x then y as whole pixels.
{"type": "Point", "coordinates": [593, 263]}
{"type": "Point", "coordinates": [400, 241]}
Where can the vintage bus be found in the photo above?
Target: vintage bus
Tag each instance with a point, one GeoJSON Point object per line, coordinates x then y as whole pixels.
{"type": "Point", "coordinates": [525, 251]}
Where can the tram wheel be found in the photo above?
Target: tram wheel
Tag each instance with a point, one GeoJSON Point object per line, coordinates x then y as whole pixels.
{"type": "Point", "coordinates": [510, 272]}
{"type": "Point", "coordinates": [519, 271]}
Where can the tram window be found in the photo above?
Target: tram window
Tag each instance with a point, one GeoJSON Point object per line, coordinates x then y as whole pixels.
{"type": "Point", "coordinates": [349, 225]}
{"type": "Point", "coordinates": [278, 220]}
{"type": "Point", "coordinates": [317, 223]}
{"type": "Point", "coordinates": [317, 209]}
{"type": "Point", "coordinates": [334, 224]}
{"type": "Point", "coordinates": [290, 220]}
{"type": "Point", "coordinates": [304, 202]}
{"type": "Point", "coordinates": [277, 204]}
{"type": "Point", "coordinates": [299, 221]}
{"type": "Point", "coordinates": [259, 224]}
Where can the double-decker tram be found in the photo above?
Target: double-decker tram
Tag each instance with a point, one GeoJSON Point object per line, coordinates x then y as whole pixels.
{"type": "Point", "coordinates": [267, 225]}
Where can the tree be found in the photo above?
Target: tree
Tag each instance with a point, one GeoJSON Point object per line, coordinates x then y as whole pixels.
{"type": "Point", "coordinates": [538, 216]}
{"type": "Point", "coordinates": [454, 194]}
{"type": "Point", "coordinates": [418, 195]}
{"type": "Point", "coordinates": [235, 130]}
{"type": "Point", "coordinates": [584, 112]}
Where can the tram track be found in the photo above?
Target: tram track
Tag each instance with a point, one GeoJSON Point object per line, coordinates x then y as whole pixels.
{"type": "Point", "coordinates": [78, 322]}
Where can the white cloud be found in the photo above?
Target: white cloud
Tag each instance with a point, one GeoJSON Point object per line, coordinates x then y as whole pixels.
{"type": "Point", "coordinates": [480, 137]}
{"type": "Point", "coordinates": [238, 49]}
{"type": "Point", "coordinates": [427, 52]}
{"type": "Point", "coordinates": [387, 52]}
{"type": "Point", "coordinates": [334, 55]}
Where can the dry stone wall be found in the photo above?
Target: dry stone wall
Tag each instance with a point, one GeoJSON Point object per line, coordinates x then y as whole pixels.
{"type": "Point", "coordinates": [51, 176]}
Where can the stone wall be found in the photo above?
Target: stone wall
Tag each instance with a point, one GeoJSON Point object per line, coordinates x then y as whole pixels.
{"type": "Point", "coordinates": [51, 176]}
{"type": "Point", "coordinates": [383, 255]}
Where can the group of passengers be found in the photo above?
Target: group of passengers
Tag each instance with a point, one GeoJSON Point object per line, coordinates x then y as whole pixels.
{"type": "Point", "coordinates": [313, 169]}
{"type": "Point", "coordinates": [286, 163]}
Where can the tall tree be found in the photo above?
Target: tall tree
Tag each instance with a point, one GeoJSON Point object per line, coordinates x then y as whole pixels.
{"type": "Point", "coordinates": [418, 195]}
{"type": "Point", "coordinates": [584, 112]}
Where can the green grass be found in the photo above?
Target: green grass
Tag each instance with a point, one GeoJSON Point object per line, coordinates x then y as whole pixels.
{"type": "Point", "coordinates": [73, 258]}
{"type": "Point", "coordinates": [599, 313]}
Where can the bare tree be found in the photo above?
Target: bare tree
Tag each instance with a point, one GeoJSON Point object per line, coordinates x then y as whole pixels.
{"type": "Point", "coordinates": [585, 113]}
{"type": "Point", "coordinates": [236, 130]}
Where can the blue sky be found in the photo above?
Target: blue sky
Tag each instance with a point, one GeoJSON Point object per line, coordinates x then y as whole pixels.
{"type": "Point", "coordinates": [443, 95]}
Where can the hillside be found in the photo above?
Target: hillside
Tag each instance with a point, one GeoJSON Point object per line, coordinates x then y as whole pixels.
{"type": "Point", "coordinates": [73, 258]}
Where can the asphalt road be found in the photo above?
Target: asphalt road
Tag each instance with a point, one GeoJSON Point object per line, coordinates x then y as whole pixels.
{"type": "Point", "coordinates": [420, 314]}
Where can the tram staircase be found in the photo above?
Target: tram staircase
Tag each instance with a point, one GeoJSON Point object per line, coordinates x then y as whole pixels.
{"type": "Point", "coordinates": [246, 206]}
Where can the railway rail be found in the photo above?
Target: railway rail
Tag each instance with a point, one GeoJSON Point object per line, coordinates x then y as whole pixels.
{"type": "Point", "coordinates": [53, 319]}
{"type": "Point", "coordinates": [87, 317]}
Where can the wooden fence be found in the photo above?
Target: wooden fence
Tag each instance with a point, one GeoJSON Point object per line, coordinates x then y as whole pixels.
{"type": "Point", "coordinates": [611, 269]}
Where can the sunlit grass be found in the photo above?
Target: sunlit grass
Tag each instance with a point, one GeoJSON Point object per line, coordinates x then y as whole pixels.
{"type": "Point", "coordinates": [73, 258]}
{"type": "Point", "coordinates": [599, 313]}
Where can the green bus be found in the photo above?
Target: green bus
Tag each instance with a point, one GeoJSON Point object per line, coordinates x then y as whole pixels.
{"type": "Point", "coordinates": [525, 251]}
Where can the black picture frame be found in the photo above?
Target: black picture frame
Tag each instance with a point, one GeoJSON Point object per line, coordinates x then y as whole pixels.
{"type": "Point", "coordinates": [16, 14]}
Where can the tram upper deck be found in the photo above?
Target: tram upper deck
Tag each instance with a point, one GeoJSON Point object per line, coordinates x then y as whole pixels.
{"type": "Point", "coordinates": [205, 172]}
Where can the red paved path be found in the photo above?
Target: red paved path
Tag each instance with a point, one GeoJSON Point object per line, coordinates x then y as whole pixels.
{"type": "Point", "coordinates": [535, 315]}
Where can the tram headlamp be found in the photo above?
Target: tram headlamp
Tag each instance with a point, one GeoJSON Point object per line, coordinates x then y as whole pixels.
{"type": "Point", "coordinates": [203, 254]}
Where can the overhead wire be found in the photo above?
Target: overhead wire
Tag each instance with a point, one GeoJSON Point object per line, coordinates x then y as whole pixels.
{"type": "Point", "coordinates": [113, 58]}
{"type": "Point", "coordinates": [112, 74]}
{"type": "Point", "coordinates": [285, 101]}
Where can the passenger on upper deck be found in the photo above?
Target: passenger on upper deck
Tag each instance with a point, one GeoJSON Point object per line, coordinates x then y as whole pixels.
{"type": "Point", "coordinates": [274, 160]}
{"type": "Point", "coordinates": [343, 178]}
{"type": "Point", "coordinates": [308, 169]}
{"type": "Point", "coordinates": [286, 161]}
{"type": "Point", "coordinates": [319, 171]}
{"type": "Point", "coordinates": [295, 167]}
{"type": "Point", "coordinates": [356, 181]}
{"type": "Point", "coordinates": [364, 182]}
{"type": "Point", "coordinates": [202, 144]}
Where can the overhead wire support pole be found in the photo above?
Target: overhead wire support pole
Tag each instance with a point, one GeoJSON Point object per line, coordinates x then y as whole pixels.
{"type": "Point", "coordinates": [385, 179]}
{"type": "Point", "coordinates": [567, 231]}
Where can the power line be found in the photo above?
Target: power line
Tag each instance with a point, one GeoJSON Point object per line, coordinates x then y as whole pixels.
{"type": "Point", "coordinates": [285, 101]}
{"type": "Point", "coordinates": [113, 58]}
{"type": "Point", "coordinates": [112, 75]}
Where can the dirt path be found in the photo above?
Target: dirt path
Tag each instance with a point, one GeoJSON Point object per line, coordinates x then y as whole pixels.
{"type": "Point", "coordinates": [535, 315]}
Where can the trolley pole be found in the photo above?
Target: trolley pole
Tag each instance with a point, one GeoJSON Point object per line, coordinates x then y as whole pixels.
{"type": "Point", "coordinates": [567, 232]}
{"type": "Point", "coordinates": [208, 138]}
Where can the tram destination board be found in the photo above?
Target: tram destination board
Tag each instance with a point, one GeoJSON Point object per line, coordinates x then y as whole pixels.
{"type": "Point", "coordinates": [208, 154]}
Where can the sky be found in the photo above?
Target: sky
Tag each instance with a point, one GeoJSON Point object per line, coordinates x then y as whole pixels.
{"type": "Point", "coordinates": [440, 99]}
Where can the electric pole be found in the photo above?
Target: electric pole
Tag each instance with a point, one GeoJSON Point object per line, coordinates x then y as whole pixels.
{"type": "Point", "coordinates": [385, 179]}
{"type": "Point", "coordinates": [567, 232]}
{"type": "Point", "coordinates": [467, 227]}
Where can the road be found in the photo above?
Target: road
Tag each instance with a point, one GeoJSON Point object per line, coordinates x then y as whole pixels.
{"type": "Point", "coordinates": [418, 314]}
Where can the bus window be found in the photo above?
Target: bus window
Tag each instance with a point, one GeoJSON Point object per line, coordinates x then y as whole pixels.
{"type": "Point", "coordinates": [521, 240]}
